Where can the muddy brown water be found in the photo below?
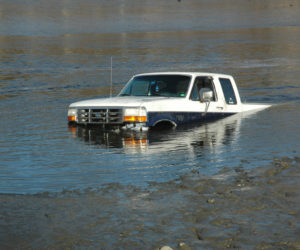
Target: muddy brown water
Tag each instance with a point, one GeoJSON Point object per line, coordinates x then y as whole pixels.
{"type": "Point", "coordinates": [233, 183]}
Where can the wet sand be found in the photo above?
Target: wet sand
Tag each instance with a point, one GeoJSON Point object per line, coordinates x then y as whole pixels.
{"type": "Point", "coordinates": [254, 209]}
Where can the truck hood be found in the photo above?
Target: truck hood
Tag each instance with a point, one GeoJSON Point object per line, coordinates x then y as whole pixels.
{"type": "Point", "coordinates": [127, 101]}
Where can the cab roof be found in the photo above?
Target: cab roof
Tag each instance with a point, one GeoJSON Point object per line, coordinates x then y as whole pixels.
{"type": "Point", "coordinates": [193, 74]}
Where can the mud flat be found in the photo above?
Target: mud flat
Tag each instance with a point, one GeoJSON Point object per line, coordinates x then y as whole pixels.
{"type": "Point", "coordinates": [253, 209]}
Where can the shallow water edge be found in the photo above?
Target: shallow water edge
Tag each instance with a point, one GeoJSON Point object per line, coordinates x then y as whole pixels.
{"type": "Point", "coordinates": [253, 209]}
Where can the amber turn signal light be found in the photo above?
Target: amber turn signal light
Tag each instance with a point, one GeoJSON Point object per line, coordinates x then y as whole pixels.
{"type": "Point", "coordinates": [71, 118]}
{"type": "Point", "coordinates": [135, 118]}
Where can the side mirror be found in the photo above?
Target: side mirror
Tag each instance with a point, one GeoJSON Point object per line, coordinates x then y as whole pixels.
{"type": "Point", "coordinates": [206, 94]}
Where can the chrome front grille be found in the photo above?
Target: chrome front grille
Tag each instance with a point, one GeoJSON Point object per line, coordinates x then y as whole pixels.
{"type": "Point", "coordinates": [100, 116]}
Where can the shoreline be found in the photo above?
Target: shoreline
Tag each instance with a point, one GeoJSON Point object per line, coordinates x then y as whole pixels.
{"type": "Point", "coordinates": [237, 208]}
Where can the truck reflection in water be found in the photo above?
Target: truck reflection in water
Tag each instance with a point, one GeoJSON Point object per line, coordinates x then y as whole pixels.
{"type": "Point", "coordinates": [190, 138]}
{"type": "Point", "coordinates": [110, 138]}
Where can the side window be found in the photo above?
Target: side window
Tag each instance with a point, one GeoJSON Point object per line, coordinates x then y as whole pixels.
{"type": "Point", "coordinates": [228, 91]}
{"type": "Point", "coordinates": [195, 93]}
{"type": "Point", "coordinates": [202, 83]}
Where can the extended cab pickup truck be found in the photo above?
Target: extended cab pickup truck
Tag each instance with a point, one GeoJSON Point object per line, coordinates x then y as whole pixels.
{"type": "Point", "coordinates": [168, 98]}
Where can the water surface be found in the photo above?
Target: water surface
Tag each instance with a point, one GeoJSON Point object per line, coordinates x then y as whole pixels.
{"type": "Point", "coordinates": [52, 55]}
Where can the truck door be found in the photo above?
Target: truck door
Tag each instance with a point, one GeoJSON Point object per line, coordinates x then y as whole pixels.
{"type": "Point", "coordinates": [205, 84]}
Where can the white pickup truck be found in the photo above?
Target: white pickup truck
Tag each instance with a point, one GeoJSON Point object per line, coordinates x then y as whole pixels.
{"type": "Point", "coordinates": [164, 99]}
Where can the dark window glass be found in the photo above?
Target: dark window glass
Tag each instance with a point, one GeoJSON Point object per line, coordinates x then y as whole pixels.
{"type": "Point", "coordinates": [200, 83]}
{"type": "Point", "coordinates": [158, 85]}
{"type": "Point", "coordinates": [228, 91]}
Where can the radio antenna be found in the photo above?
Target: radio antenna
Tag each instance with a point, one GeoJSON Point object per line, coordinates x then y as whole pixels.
{"type": "Point", "coordinates": [111, 69]}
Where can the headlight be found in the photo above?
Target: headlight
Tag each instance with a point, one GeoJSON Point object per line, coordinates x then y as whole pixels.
{"type": "Point", "coordinates": [72, 112]}
{"type": "Point", "coordinates": [135, 114]}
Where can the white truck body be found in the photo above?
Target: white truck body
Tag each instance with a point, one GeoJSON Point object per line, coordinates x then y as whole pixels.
{"type": "Point", "coordinates": [169, 98]}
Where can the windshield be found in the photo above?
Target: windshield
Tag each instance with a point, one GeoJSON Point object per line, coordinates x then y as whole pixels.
{"type": "Point", "coordinates": [157, 85]}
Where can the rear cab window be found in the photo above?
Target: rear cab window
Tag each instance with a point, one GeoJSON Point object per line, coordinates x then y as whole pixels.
{"type": "Point", "coordinates": [228, 91]}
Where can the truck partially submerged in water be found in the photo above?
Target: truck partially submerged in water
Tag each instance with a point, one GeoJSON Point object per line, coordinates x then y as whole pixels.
{"type": "Point", "coordinates": [164, 99]}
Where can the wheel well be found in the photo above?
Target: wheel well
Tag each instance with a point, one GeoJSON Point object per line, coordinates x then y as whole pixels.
{"type": "Point", "coordinates": [164, 124]}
